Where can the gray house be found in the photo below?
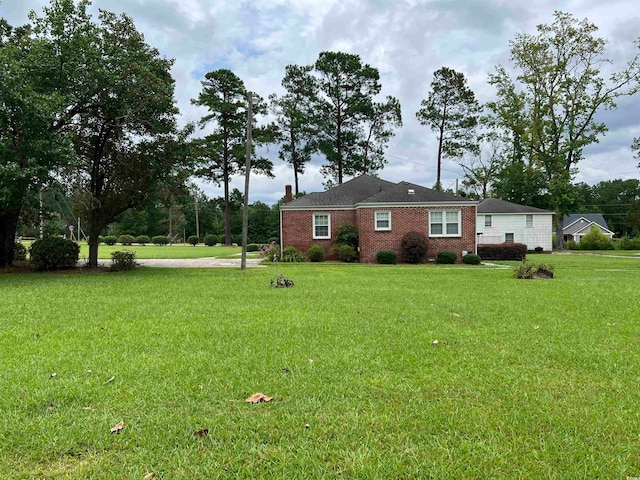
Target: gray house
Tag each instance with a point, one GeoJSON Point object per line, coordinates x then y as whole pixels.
{"type": "Point", "coordinates": [576, 226]}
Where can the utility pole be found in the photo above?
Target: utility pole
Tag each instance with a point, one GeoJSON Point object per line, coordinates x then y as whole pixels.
{"type": "Point", "coordinates": [41, 212]}
{"type": "Point", "coordinates": [245, 208]}
{"type": "Point", "coordinates": [197, 220]}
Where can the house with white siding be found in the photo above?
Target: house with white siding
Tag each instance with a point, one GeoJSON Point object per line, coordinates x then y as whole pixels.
{"type": "Point", "coordinates": [499, 221]}
{"type": "Point", "coordinates": [577, 225]}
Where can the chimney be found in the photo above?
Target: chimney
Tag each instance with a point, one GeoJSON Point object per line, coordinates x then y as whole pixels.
{"type": "Point", "coordinates": [288, 196]}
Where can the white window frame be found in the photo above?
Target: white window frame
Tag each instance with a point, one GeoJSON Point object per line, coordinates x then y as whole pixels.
{"type": "Point", "coordinates": [488, 221]}
{"type": "Point", "coordinates": [529, 221]}
{"type": "Point", "coordinates": [444, 223]}
{"type": "Point", "coordinates": [321, 237]}
{"type": "Point", "coordinates": [382, 229]}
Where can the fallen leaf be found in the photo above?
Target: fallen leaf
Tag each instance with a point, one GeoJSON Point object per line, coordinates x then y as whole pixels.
{"type": "Point", "coordinates": [53, 375]}
{"type": "Point", "coordinates": [435, 343]}
{"type": "Point", "coordinates": [258, 397]}
{"type": "Point", "coordinates": [311, 360]}
{"type": "Point", "coordinates": [201, 432]}
{"type": "Point", "coordinates": [89, 372]}
{"type": "Point", "coordinates": [87, 408]}
{"type": "Point", "coordinates": [117, 427]}
{"type": "Point", "coordinates": [536, 327]}
{"type": "Point", "coordinates": [110, 380]}
{"type": "Point", "coordinates": [149, 476]}
{"type": "Point", "coordinates": [456, 314]}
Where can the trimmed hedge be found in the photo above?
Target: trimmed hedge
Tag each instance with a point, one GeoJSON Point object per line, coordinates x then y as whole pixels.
{"type": "Point", "coordinates": [315, 253]}
{"type": "Point", "coordinates": [387, 257]}
{"type": "Point", "coordinates": [253, 247]}
{"type": "Point", "coordinates": [503, 251]}
{"type": "Point", "coordinates": [347, 254]}
{"type": "Point", "coordinates": [53, 253]}
{"type": "Point", "coordinates": [126, 239]}
{"type": "Point", "coordinates": [193, 240]}
{"type": "Point", "coordinates": [159, 240]}
{"type": "Point", "coordinates": [110, 240]}
{"type": "Point", "coordinates": [471, 259]}
{"type": "Point", "coordinates": [210, 240]}
{"type": "Point", "coordinates": [142, 239]}
{"type": "Point", "coordinates": [447, 257]}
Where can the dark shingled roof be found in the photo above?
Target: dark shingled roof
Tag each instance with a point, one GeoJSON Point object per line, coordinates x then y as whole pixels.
{"type": "Point", "coordinates": [348, 193]}
{"type": "Point", "coordinates": [495, 205]}
{"type": "Point", "coordinates": [400, 194]}
{"type": "Point", "coordinates": [591, 217]}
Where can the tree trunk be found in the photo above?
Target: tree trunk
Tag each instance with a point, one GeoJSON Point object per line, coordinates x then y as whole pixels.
{"type": "Point", "coordinates": [438, 183]}
{"type": "Point", "coordinates": [94, 242]}
{"type": "Point", "coordinates": [8, 225]}
{"type": "Point", "coordinates": [227, 210]}
{"type": "Point", "coordinates": [558, 218]}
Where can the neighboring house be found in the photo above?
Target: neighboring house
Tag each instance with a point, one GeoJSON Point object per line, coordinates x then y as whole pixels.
{"type": "Point", "coordinates": [577, 225]}
{"type": "Point", "coordinates": [383, 212]}
{"type": "Point", "coordinates": [501, 221]}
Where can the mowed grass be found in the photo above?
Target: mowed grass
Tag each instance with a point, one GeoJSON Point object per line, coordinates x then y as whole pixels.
{"type": "Point", "coordinates": [165, 251]}
{"type": "Point", "coordinates": [531, 379]}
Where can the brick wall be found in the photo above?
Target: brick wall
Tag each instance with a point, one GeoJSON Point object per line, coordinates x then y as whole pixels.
{"type": "Point", "coordinates": [408, 219]}
{"type": "Point", "coordinates": [297, 229]}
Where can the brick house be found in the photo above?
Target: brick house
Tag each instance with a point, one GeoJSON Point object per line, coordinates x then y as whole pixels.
{"type": "Point", "coordinates": [383, 212]}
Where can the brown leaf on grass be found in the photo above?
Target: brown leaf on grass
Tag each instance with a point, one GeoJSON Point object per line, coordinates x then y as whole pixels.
{"type": "Point", "coordinates": [149, 476]}
{"type": "Point", "coordinates": [117, 427]}
{"type": "Point", "coordinates": [201, 432]}
{"type": "Point", "coordinates": [258, 397]}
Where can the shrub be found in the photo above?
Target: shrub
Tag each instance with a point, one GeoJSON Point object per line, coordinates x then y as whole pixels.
{"type": "Point", "coordinates": [471, 259]}
{"type": "Point", "coordinates": [221, 239]}
{"type": "Point", "coordinates": [193, 240]}
{"type": "Point", "coordinates": [503, 251]}
{"type": "Point", "coordinates": [528, 270]}
{"type": "Point", "coordinates": [54, 253]}
{"type": "Point", "coordinates": [19, 252]}
{"type": "Point", "coordinates": [596, 240]}
{"type": "Point", "coordinates": [626, 243]}
{"type": "Point", "coordinates": [386, 257]}
{"type": "Point", "coordinates": [253, 247]}
{"type": "Point", "coordinates": [281, 282]}
{"type": "Point", "coordinates": [123, 261]}
{"type": "Point", "coordinates": [142, 239]}
{"type": "Point", "coordinates": [291, 254]}
{"type": "Point", "coordinates": [273, 240]}
{"type": "Point", "coordinates": [414, 247]}
{"type": "Point", "coordinates": [347, 234]}
{"type": "Point", "coordinates": [210, 240]}
{"type": "Point", "coordinates": [126, 239]}
{"type": "Point", "coordinates": [538, 249]}
{"type": "Point", "coordinates": [571, 245]}
{"type": "Point", "coordinates": [271, 252]}
{"type": "Point", "coordinates": [346, 253]}
{"type": "Point", "coordinates": [159, 240]}
{"type": "Point", "coordinates": [110, 239]}
{"type": "Point", "coordinates": [100, 239]}
{"type": "Point", "coordinates": [446, 257]}
{"type": "Point", "coordinates": [315, 253]}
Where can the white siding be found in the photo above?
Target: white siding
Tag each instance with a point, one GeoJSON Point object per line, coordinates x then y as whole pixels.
{"type": "Point", "coordinates": [502, 223]}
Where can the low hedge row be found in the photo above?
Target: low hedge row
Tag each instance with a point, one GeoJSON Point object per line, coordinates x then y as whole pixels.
{"type": "Point", "coordinates": [503, 251]}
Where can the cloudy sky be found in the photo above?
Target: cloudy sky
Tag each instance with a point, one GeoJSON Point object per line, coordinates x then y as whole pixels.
{"type": "Point", "coordinates": [407, 40]}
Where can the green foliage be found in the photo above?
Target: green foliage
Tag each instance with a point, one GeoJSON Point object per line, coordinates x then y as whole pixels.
{"type": "Point", "coordinates": [160, 240]}
{"type": "Point", "coordinates": [413, 247]}
{"type": "Point", "coordinates": [123, 260]}
{"type": "Point", "coordinates": [193, 240]}
{"type": "Point", "coordinates": [446, 257]}
{"type": "Point", "coordinates": [346, 253]}
{"type": "Point", "coordinates": [315, 253]}
{"type": "Point", "coordinates": [386, 257]}
{"type": "Point", "coordinates": [571, 245]}
{"type": "Point", "coordinates": [347, 234]}
{"type": "Point", "coordinates": [271, 252]}
{"type": "Point", "coordinates": [100, 239]}
{"type": "Point", "coordinates": [503, 251]}
{"type": "Point", "coordinates": [595, 240]}
{"type": "Point", "coordinates": [451, 111]}
{"type": "Point", "coordinates": [527, 270]}
{"type": "Point", "coordinates": [281, 282]}
{"type": "Point", "coordinates": [210, 240]}
{"type": "Point", "coordinates": [253, 247]}
{"type": "Point", "coordinates": [292, 255]}
{"type": "Point", "coordinates": [126, 239]}
{"type": "Point", "coordinates": [110, 239]}
{"type": "Point", "coordinates": [471, 259]}
{"type": "Point", "coordinates": [538, 249]}
{"type": "Point", "coordinates": [53, 253]}
{"type": "Point", "coordinates": [626, 243]}
{"type": "Point", "coordinates": [143, 239]}
{"type": "Point", "coordinates": [19, 252]}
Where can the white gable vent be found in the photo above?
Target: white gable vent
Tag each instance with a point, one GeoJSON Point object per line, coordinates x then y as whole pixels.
{"type": "Point", "coordinates": [411, 191]}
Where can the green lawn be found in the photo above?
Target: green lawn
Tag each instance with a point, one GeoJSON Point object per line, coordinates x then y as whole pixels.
{"type": "Point", "coordinates": [166, 251]}
{"type": "Point", "coordinates": [531, 379]}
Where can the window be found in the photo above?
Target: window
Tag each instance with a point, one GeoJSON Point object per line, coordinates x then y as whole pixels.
{"type": "Point", "coordinates": [321, 225]}
{"type": "Point", "coordinates": [444, 223]}
{"type": "Point", "coordinates": [529, 221]}
{"type": "Point", "coordinates": [383, 220]}
{"type": "Point", "coordinates": [487, 220]}
{"type": "Point", "coordinates": [508, 237]}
